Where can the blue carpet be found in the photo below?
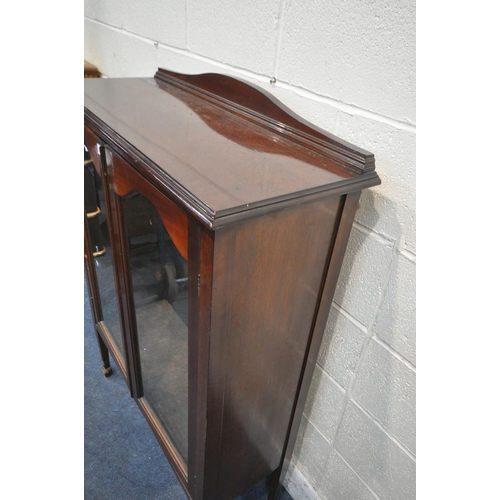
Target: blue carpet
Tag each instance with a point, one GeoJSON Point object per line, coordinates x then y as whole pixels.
{"type": "Point", "coordinates": [123, 460]}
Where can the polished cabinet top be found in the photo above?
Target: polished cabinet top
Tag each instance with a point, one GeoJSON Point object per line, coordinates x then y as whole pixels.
{"type": "Point", "coordinates": [202, 141]}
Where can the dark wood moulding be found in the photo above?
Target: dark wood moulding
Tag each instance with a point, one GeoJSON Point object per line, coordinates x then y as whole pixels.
{"type": "Point", "coordinates": [258, 106]}
{"type": "Point", "coordinates": [241, 123]}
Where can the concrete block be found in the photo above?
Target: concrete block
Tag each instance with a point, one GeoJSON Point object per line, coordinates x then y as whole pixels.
{"type": "Point", "coordinates": [386, 388]}
{"type": "Point", "coordinates": [361, 53]}
{"type": "Point", "coordinates": [341, 347]}
{"type": "Point", "coordinates": [310, 452]}
{"type": "Point", "coordinates": [242, 34]}
{"type": "Point", "coordinates": [324, 404]}
{"type": "Point", "coordinates": [117, 54]}
{"type": "Point", "coordinates": [163, 22]}
{"type": "Point", "coordinates": [396, 320]}
{"type": "Point", "coordinates": [375, 457]}
{"type": "Point", "coordinates": [89, 7]}
{"type": "Point", "coordinates": [115, 13]}
{"type": "Point", "coordinates": [411, 235]}
{"type": "Point", "coordinates": [387, 207]}
{"type": "Point", "coordinates": [339, 482]}
{"type": "Point", "coordinates": [363, 275]}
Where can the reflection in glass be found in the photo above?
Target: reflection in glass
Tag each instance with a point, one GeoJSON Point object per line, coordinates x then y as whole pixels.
{"type": "Point", "coordinates": [159, 281]}
{"type": "Point", "coordinates": [95, 209]}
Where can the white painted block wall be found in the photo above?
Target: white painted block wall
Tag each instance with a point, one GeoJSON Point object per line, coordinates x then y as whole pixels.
{"type": "Point", "coordinates": [348, 67]}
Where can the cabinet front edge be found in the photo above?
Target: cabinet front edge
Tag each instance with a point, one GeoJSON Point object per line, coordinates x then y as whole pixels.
{"type": "Point", "coordinates": [196, 207]}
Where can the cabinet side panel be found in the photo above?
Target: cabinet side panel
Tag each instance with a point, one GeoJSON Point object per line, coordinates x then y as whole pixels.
{"type": "Point", "coordinates": [267, 276]}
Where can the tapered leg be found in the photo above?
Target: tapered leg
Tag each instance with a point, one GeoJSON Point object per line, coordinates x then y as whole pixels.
{"type": "Point", "coordinates": [276, 485]}
{"type": "Point", "coordinates": [106, 367]}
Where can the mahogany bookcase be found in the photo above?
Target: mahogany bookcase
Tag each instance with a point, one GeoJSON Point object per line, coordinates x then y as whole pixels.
{"type": "Point", "coordinates": [216, 222]}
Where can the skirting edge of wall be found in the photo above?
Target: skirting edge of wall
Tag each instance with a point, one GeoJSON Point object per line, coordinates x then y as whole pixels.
{"type": "Point", "coordinates": [298, 486]}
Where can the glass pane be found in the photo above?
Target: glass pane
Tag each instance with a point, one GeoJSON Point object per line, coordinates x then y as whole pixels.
{"type": "Point", "coordinates": [95, 209]}
{"type": "Point", "coordinates": [159, 280]}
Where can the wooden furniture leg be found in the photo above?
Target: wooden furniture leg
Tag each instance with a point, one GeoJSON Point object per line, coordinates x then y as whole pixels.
{"type": "Point", "coordinates": [106, 366]}
{"type": "Point", "coordinates": [276, 485]}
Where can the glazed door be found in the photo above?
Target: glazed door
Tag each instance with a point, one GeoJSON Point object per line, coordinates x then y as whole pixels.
{"type": "Point", "coordinates": [99, 255]}
{"type": "Point", "coordinates": [154, 242]}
